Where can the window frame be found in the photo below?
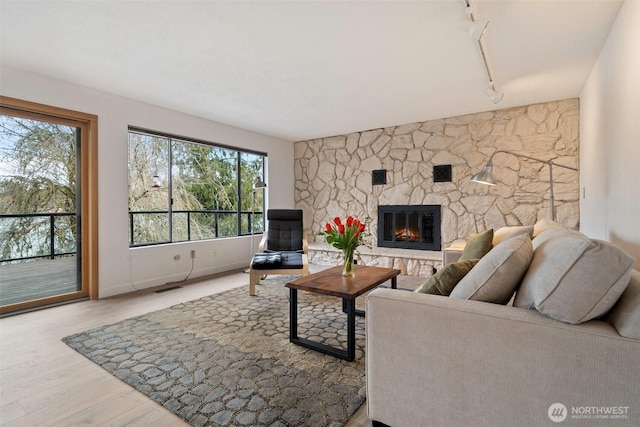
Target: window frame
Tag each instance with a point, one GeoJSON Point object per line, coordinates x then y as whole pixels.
{"type": "Point", "coordinates": [171, 140]}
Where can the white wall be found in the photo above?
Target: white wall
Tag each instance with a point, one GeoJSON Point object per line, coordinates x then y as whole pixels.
{"type": "Point", "coordinates": [122, 269]}
{"type": "Point", "coordinates": [610, 137]}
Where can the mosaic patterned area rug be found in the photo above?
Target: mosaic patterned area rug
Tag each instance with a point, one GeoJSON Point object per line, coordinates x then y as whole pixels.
{"type": "Point", "coordinates": [226, 359]}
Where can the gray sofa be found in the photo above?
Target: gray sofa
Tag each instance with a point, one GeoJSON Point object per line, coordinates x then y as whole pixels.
{"type": "Point", "coordinates": [441, 361]}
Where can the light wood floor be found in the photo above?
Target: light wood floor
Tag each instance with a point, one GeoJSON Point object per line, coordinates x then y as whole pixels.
{"type": "Point", "coordinates": [44, 382]}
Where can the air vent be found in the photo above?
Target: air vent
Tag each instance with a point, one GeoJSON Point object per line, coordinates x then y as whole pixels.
{"type": "Point", "coordinates": [442, 173]}
{"type": "Point", "coordinates": [379, 177]}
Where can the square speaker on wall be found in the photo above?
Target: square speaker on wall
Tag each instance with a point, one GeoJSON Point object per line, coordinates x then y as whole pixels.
{"type": "Point", "coordinates": [379, 177]}
{"type": "Point", "coordinates": [442, 173]}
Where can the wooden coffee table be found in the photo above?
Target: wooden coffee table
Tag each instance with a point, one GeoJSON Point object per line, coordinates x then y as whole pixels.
{"type": "Point", "coordinates": [331, 282]}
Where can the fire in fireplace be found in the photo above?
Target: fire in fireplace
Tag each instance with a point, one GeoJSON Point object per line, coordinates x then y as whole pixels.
{"type": "Point", "coordinates": [409, 227]}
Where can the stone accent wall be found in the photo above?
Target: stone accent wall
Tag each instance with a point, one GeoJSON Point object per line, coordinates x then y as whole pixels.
{"type": "Point", "coordinates": [333, 175]}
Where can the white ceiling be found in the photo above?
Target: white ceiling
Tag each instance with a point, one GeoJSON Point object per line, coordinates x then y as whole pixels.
{"type": "Point", "coordinates": [307, 69]}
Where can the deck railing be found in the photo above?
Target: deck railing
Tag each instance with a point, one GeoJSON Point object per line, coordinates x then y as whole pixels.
{"type": "Point", "coordinates": [50, 240]}
{"type": "Point", "coordinates": [215, 227]}
{"type": "Point", "coordinates": [47, 246]}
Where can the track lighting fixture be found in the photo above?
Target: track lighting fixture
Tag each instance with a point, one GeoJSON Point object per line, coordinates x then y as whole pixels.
{"type": "Point", "coordinates": [493, 94]}
{"type": "Point", "coordinates": [476, 30]}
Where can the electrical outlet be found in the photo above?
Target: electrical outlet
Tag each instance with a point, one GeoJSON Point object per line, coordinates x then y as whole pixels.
{"type": "Point", "coordinates": [193, 254]}
{"type": "Point", "coordinates": [176, 257]}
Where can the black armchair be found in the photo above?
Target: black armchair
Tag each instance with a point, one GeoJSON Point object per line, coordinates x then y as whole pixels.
{"type": "Point", "coordinates": [283, 248]}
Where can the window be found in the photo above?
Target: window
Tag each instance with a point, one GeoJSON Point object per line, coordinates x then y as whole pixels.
{"type": "Point", "coordinates": [182, 189]}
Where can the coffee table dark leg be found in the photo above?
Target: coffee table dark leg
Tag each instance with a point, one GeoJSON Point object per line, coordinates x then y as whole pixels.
{"type": "Point", "coordinates": [351, 328]}
{"type": "Point", "coordinates": [361, 313]}
{"type": "Point", "coordinates": [349, 354]}
{"type": "Point", "coordinates": [293, 315]}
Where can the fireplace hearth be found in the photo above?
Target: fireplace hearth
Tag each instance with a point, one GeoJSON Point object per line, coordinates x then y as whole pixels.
{"type": "Point", "coordinates": [409, 227]}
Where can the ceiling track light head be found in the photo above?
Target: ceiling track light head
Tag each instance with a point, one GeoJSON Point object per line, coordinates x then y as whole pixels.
{"type": "Point", "coordinates": [494, 95]}
{"type": "Point", "coordinates": [477, 30]}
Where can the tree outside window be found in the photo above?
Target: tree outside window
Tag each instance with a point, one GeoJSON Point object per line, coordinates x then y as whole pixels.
{"type": "Point", "coordinates": [182, 190]}
{"type": "Point", "coordinates": [38, 171]}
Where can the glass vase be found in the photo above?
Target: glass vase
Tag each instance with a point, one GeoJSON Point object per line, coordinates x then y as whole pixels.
{"type": "Point", "coordinates": [348, 269]}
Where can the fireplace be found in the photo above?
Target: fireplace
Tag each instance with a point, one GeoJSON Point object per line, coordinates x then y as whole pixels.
{"type": "Point", "coordinates": [409, 227]}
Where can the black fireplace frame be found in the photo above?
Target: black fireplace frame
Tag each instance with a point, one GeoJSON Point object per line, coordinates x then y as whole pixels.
{"type": "Point", "coordinates": [398, 210]}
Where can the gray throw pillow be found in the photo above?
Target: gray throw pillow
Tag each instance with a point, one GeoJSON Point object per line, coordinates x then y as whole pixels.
{"type": "Point", "coordinates": [498, 273]}
{"type": "Point", "coordinates": [573, 278]}
{"type": "Point", "coordinates": [542, 226]}
{"type": "Point", "coordinates": [504, 233]}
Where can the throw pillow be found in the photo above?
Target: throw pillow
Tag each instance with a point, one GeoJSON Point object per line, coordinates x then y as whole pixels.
{"type": "Point", "coordinates": [477, 245]}
{"type": "Point", "coordinates": [544, 225]}
{"type": "Point", "coordinates": [445, 279]}
{"type": "Point", "coordinates": [498, 273]}
{"type": "Point", "coordinates": [573, 278]}
{"type": "Point", "coordinates": [505, 233]}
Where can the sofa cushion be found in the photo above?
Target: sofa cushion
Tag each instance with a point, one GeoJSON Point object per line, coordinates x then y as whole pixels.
{"type": "Point", "coordinates": [573, 278]}
{"type": "Point", "coordinates": [478, 245]}
{"type": "Point", "coordinates": [625, 315]}
{"type": "Point", "coordinates": [504, 233]}
{"type": "Point", "coordinates": [445, 279]}
{"type": "Point", "coordinates": [498, 273]}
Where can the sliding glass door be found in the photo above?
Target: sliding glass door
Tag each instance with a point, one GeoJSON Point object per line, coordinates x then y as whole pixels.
{"type": "Point", "coordinates": [41, 238]}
